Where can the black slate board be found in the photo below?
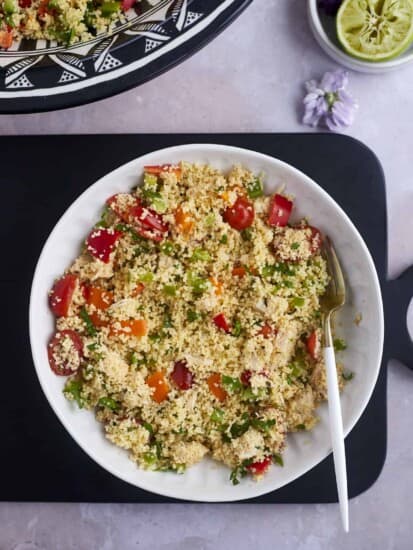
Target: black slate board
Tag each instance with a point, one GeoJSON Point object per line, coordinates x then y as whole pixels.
{"type": "Point", "coordinates": [40, 177]}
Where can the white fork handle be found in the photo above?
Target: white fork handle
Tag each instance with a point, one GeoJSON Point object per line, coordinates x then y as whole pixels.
{"type": "Point", "coordinates": [337, 435]}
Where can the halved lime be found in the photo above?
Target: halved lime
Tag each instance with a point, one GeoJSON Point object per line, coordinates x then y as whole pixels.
{"type": "Point", "coordinates": [375, 30]}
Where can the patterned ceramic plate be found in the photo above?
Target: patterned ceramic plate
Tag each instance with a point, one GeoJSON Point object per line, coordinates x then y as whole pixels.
{"type": "Point", "coordinates": [41, 76]}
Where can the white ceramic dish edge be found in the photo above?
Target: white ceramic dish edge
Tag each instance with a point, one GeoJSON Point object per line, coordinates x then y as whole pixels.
{"type": "Point", "coordinates": [247, 489]}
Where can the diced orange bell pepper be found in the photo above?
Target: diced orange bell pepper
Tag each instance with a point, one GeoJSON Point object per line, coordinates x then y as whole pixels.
{"type": "Point", "coordinates": [97, 320]}
{"type": "Point", "coordinates": [98, 297]}
{"type": "Point", "coordinates": [160, 385]}
{"type": "Point", "coordinates": [6, 39]}
{"type": "Point", "coordinates": [139, 288]}
{"type": "Point", "coordinates": [215, 386]}
{"type": "Point", "coordinates": [184, 221]}
{"type": "Point", "coordinates": [239, 271]}
{"type": "Point", "coordinates": [133, 327]}
{"type": "Point", "coordinates": [217, 284]}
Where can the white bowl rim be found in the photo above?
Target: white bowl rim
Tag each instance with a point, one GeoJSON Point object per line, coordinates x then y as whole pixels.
{"type": "Point", "coordinates": [341, 56]}
{"type": "Point", "coordinates": [177, 151]}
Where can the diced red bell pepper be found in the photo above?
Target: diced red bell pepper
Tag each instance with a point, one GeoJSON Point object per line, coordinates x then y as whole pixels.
{"type": "Point", "coordinates": [280, 211]}
{"type": "Point", "coordinates": [267, 330]}
{"type": "Point", "coordinates": [61, 294]}
{"type": "Point", "coordinates": [313, 345]}
{"type": "Point", "coordinates": [221, 322]}
{"type": "Point", "coordinates": [182, 376]}
{"type": "Point", "coordinates": [60, 365]}
{"type": "Point", "coordinates": [127, 4]}
{"type": "Point", "coordinates": [260, 467]}
{"type": "Point", "coordinates": [101, 243]}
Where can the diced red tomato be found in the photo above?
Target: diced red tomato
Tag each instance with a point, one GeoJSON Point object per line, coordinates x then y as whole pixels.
{"type": "Point", "coordinates": [101, 243]}
{"type": "Point", "coordinates": [25, 3]}
{"type": "Point", "coordinates": [61, 294]}
{"type": "Point", "coordinates": [127, 4]}
{"type": "Point", "coordinates": [313, 345]}
{"type": "Point", "coordinates": [316, 239]}
{"type": "Point", "coordinates": [158, 169]}
{"type": "Point", "coordinates": [240, 215]}
{"type": "Point", "coordinates": [280, 211]}
{"type": "Point", "coordinates": [58, 357]}
{"type": "Point", "coordinates": [6, 39]}
{"type": "Point", "coordinates": [246, 377]}
{"type": "Point", "coordinates": [145, 221]}
{"type": "Point", "coordinates": [260, 467]}
{"type": "Point", "coordinates": [215, 386]}
{"type": "Point", "coordinates": [133, 327]}
{"type": "Point", "coordinates": [161, 387]}
{"type": "Point", "coordinates": [221, 322]}
{"type": "Point", "coordinates": [267, 330]}
{"type": "Point", "coordinates": [239, 271]}
{"type": "Point", "coordinates": [182, 376]}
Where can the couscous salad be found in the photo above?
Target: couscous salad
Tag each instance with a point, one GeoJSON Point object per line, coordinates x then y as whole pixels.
{"type": "Point", "coordinates": [190, 322]}
{"type": "Point", "coordinates": [66, 21]}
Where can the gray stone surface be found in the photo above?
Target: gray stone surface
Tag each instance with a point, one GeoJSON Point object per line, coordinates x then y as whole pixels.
{"type": "Point", "coordinates": [250, 79]}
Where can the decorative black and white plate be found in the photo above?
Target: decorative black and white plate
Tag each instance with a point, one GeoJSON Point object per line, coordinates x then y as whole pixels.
{"type": "Point", "coordinates": [42, 76]}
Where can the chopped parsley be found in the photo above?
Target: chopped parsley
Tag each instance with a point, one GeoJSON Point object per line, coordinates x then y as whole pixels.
{"type": "Point", "coordinates": [74, 389]}
{"type": "Point", "coordinates": [192, 315]}
{"type": "Point", "coordinates": [109, 403]}
{"type": "Point", "coordinates": [223, 239]}
{"type": "Point", "coordinates": [295, 246]}
{"type": "Point", "coordinates": [90, 327]}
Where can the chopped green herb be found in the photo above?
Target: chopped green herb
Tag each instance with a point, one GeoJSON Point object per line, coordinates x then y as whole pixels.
{"type": "Point", "coordinates": [348, 375]}
{"type": "Point", "coordinates": [277, 459]}
{"type": "Point", "coordinates": [262, 425]}
{"type": "Point", "coordinates": [295, 246]}
{"type": "Point", "coordinates": [217, 416]}
{"type": "Point", "coordinates": [297, 301]}
{"type": "Point", "coordinates": [232, 384]}
{"type": "Point", "coordinates": [92, 347]}
{"type": "Point", "coordinates": [192, 315]}
{"type": "Point", "coordinates": [169, 290]}
{"type": "Point", "coordinates": [339, 344]}
{"type": "Point", "coordinates": [109, 8]}
{"type": "Point", "coordinates": [237, 430]}
{"type": "Point", "coordinates": [148, 427]}
{"type": "Point", "coordinates": [149, 458]}
{"type": "Point", "coordinates": [74, 389]}
{"type": "Point", "coordinates": [300, 427]}
{"type": "Point", "coordinates": [270, 269]}
{"type": "Point", "coordinates": [240, 471]}
{"type": "Point", "coordinates": [198, 284]}
{"type": "Point", "coordinates": [90, 327]}
{"type": "Point", "coordinates": [210, 219]}
{"type": "Point", "coordinates": [167, 248]}
{"type": "Point", "coordinates": [236, 328]}
{"type": "Point", "coordinates": [223, 239]}
{"type": "Point", "coordinates": [255, 188]}
{"type": "Point", "coordinates": [145, 277]}
{"type": "Point", "coordinates": [246, 234]}
{"type": "Point", "coordinates": [109, 403]}
{"type": "Point", "coordinates": [200, 255]}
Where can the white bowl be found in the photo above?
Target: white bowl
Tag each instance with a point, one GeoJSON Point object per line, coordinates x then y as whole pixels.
{"type": "Point", "coordinates": [208, 481]}
{"type": "Point", "coordinates": [323, 27]}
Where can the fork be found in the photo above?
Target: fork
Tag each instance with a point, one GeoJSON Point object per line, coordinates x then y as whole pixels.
{"type": "Point", "coordinates": [333, 299]}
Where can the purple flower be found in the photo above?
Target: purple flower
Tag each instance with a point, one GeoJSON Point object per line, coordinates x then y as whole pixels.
{"type": "Point", "coordinates": [330, 7]}
{"type": "Point", "coordinates": [328, 103]}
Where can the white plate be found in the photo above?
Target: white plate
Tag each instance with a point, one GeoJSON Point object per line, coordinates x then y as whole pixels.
{"type": "Point", "coordinates": [208, 481]}
{"type": "Point", "coordinates": [324, 30]}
